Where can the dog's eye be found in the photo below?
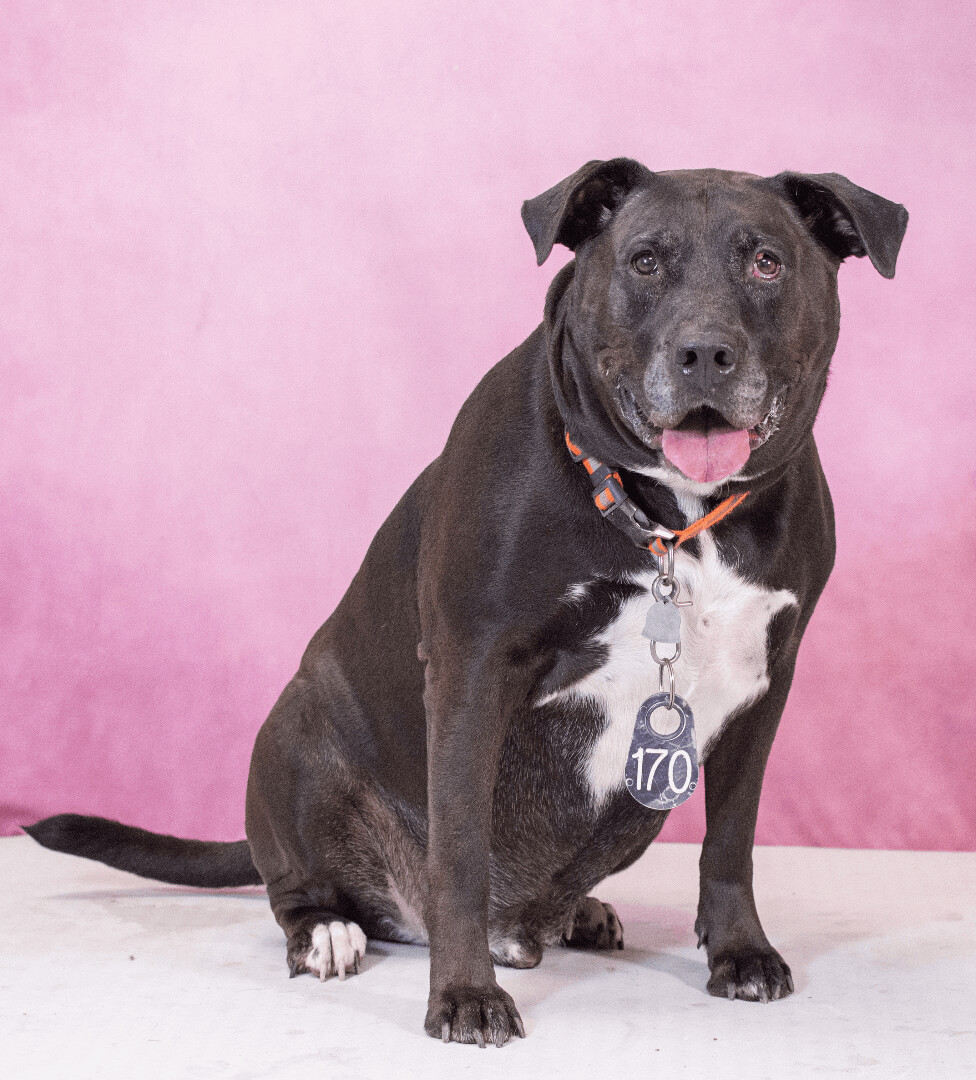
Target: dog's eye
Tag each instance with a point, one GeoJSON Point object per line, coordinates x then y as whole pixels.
{"type": "Point", "coordinates": [644, 263]}
{"type": "Point", "coordinates": [766, 266]}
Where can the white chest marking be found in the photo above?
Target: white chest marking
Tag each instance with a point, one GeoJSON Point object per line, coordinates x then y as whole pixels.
{"type": "Point", "coordinates": [722, 668]}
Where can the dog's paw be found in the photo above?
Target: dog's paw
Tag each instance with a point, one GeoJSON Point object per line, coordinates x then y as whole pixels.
{"type": "Point", "coordinates": [473, 1014]}
{"type": "Point", "coordinates": [336, 949]}
{"type": "Point", "coordinates": [595, 926]}
{"type": "Point", "coordinates": [753, 975]}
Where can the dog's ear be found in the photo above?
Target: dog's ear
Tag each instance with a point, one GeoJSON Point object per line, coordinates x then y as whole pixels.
{"type": "Point", "coordinates": [847, 219]}
{"type": "Point", "coordinates": [581, 205]}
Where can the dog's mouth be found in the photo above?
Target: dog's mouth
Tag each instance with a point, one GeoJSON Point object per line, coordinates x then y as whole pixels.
{"type": "Point", "coordinates": [704, 446]}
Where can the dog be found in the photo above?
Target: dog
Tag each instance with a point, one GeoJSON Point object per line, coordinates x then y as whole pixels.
{"type": "Point", "coordinates": [449, 764]}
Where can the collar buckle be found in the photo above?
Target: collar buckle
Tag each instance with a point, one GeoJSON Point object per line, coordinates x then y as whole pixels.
{"type": "Point", "coordinates": [618, 507]}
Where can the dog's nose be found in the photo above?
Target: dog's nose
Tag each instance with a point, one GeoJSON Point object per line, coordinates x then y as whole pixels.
{"type": "Point", "coordinates": [705, 362]}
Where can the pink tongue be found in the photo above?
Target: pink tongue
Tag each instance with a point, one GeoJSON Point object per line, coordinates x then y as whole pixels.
{"type": "Point", "coordinates": [706, 457]}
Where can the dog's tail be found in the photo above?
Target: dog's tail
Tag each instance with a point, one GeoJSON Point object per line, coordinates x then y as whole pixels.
{"type": "Point", "coordinates": [205, 864]}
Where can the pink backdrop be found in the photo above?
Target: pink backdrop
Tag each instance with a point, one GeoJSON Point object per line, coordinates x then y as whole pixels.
{"type": "Point", "coordinates": [240, 244]}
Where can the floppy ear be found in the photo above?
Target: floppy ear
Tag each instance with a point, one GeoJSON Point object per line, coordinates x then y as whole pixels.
{"type": "Point", "coordinates": [847, 219]}
{"type": "Point", "coordinates": [581, 205]}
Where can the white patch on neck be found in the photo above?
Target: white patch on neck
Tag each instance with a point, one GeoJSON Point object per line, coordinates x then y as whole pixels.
{"type": "Point", "coordinates": [682, 485]}
{"type": "Point", "coordinates": [723, 663]}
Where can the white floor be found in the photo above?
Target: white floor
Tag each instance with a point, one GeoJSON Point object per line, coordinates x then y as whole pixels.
{"type": "Point", "coordinates": [106, 976]}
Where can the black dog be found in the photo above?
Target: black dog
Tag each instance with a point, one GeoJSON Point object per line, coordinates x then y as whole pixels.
{"type": "Point", "coordinates": [448, 765]}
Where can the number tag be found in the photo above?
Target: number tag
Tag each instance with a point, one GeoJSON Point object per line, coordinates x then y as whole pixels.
{"type": "Point", "coordinates": [662, 768]}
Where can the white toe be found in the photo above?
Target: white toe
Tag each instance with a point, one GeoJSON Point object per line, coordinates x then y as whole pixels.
{"type": "Point", "coordinates": [336, 949]}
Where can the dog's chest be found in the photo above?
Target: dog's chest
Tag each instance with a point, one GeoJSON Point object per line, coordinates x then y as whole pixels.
{"type": "Point", "coordinates": [722, 668]}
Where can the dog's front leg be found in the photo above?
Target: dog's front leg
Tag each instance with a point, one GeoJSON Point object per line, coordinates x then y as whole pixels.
{"type": "Point", "coordinates": [743, 964]}
{"type": "Point", "coordinates": [469, 705]}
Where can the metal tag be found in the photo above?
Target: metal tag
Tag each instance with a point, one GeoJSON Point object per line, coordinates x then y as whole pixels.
{"type": "Point", "coordinates": [662, 766]}
{"type": "Point", "coordinates": [663, 623]}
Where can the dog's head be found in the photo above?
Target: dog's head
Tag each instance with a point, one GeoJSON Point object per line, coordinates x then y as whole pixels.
{"type": "Point", "coordinates": [691, 336]}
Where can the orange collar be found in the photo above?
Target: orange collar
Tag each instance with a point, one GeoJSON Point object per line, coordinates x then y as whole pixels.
{"type": "Point", "coordinates": [615, 504]}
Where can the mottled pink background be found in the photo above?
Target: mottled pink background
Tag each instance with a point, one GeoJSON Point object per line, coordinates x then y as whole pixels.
{"type": "Point", "coordinates": [248, 248]}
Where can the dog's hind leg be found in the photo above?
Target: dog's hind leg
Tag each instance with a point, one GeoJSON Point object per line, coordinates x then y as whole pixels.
{"type": "Point", "coordinates": [321, 940]}
{"type": "Point", "coordinates": [323, 840]}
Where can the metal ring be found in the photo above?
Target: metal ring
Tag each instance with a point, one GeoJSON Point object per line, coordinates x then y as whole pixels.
{"type": "Point", "coordinates": [666, 664]}
{"type": "Point", "coordinates": [662, 597]}
{"type": "Point", "coordinates": [665, 659]}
